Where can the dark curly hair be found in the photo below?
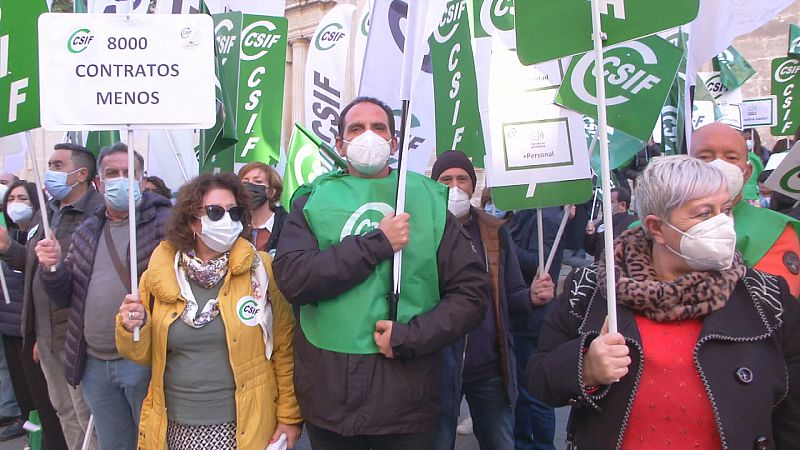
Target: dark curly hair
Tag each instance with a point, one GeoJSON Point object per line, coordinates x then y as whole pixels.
{"type": "Point", "coordinates": [190, 197]}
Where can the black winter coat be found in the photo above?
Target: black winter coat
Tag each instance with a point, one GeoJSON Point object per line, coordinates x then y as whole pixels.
{"type": "Point", "coordinates": [370, 394]}
{"type": "Point", "coordinates": [755, 333]}
{"type": "Point", "coordinates": [68, 285]}
{"type": "Point", "coordinates": [11, 313]}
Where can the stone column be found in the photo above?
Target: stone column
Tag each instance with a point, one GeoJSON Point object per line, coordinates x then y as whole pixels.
{"type": "Point", "coordinates": [299, 54]}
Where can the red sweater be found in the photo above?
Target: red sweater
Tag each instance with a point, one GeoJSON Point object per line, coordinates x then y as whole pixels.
{"type": "Point", "coordinates": [671, 409]}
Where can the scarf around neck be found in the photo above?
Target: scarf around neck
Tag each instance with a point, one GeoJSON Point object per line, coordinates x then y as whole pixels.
{"type": "Point", "coordinates": [689, 296]}
{"type": "Point", "coordinates": [208, 274]}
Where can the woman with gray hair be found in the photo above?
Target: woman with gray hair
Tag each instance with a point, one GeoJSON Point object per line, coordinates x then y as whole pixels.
{"type": "Point", "coordinates": [706, 355]}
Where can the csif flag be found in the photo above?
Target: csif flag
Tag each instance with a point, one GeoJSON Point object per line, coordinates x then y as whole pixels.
{"type": "Point", "coordinates": [306, 158]}
{"type": "Point", "coordinates": [98, 140]}
{"type": "Point", "coordinates": [222, 135]}
{"type": "Point", "coordinates": [794, 40]}
{"type": "Point", "coordinates": [733, 69]}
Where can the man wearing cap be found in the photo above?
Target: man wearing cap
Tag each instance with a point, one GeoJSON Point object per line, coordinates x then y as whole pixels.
{"type": "Point", "coordinates": [363, 381]}
{"type": "Point", "coordinates": [482, 365]}
{"type": "Point", "coordinates": [767, 240]}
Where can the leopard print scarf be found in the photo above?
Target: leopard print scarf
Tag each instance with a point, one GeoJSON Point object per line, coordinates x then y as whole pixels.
{"type": "Point", "coordinates": [689, 296]}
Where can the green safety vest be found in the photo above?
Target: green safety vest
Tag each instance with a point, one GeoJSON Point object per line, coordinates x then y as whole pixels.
{"type": "Point", "coordinates": [757, 229]}
{"type": "Point", "coordinates": [339, 206]}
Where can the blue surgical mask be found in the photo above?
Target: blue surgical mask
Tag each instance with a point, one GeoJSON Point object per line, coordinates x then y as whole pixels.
{"type": "Point", "coordinates": [764, 200]}
{"type": "Point", "coordinates": [56, 183]}
{"type": "Point", "coordinates": [495, 211]}
{"type": "Point", "coordinates": [116, 193]}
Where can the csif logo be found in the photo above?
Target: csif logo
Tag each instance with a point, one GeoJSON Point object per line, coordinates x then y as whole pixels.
{"type": "Point", "coordinates": [79, 40]}
{"type": "Point", "coordinates": [307, 165]}
{"type": "Point", "coordinates": [365, 219]}
{"type": "Point", "coordinates": [625, 67]}
{"type": "Point", "coordinates": [329, 36]}
{"type": "Point", "coordinates": [787, 70]}
{"type": "Point", "coordinates": [257, 39]}
{"type": "Point", "coordinates": [248, 311]}
{"type": "Point", "coordinates": [225, 38]}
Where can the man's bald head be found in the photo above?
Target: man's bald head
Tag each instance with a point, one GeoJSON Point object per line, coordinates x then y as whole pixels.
{"type": "Point", "coordinates": [720, 141]}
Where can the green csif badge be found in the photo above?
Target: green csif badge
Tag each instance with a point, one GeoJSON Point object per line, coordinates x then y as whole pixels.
{"type": "Point", "coordinates": [638, 77]}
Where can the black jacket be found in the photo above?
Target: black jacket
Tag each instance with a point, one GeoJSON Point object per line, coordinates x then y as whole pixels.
{"type": "Point", "coordinates": [756, 331]}
{"type": "Point", "coordinates": [11, 313]}
{"type": "Point", "coordinates": [594, 243]}
{"type": "Point", "coordinates": [513, 300]}
{"type": "Point", "coordinates": [23, 258]}
{"type": "Point", "coordinates": [370, 394]}
{"type": "Point", "coordinates": [69, 284]}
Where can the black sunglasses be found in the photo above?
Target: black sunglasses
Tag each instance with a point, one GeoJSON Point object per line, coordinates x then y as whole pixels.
{"type": "Point", "coordinates": [216, 212]}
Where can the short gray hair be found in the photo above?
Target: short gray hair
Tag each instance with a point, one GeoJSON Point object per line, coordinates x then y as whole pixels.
{"type": "Point", "coordinates": [670, 181]}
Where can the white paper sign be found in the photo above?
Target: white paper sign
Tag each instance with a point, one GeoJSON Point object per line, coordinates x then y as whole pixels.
{"type": "Point", "coordinates": [731, 115]}
{"type": "Point", "coordinates": [760, 112]}
{"type": "Point", "coordinates": [106, 71]}
{"type": "Point", "coordinates": [786, 177]}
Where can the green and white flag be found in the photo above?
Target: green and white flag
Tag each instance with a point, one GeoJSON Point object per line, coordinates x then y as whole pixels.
{"type": "Point", "coordinates": [306, 158]}
{"type": "Point", "coordinates": [621, 147]}
{"type": "Point", "coordinates": [98, 140]}
{"type": "Point", "coordinates": [550, 29]}
{"type": "Point", "coordinates": [733, 69]}
{"type": "Point", "coordinates": [639, 75]}
{"type": "Point", "coordinates": [19, 65]}
{"type": "Point", "coordinates": [673, 113]}
{"type": "Point", "coordinates": [455, 85]}
{"type": "Point", "coordinates": [794, 40]}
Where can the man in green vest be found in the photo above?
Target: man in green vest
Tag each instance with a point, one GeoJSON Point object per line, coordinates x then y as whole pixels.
{"type": "Point", "coordinates": [768, 240]}
{"type": "Point", "coordinates": [363, 381]}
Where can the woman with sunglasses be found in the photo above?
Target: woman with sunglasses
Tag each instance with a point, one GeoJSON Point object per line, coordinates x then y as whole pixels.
{"type": "Point", "coordinates": [265, 187]}
{"type": "Point", "coordinates": [214, 328]}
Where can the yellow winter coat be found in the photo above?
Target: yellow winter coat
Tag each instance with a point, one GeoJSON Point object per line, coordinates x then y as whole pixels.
{"type": "Point", "coordinates": [264, 388]}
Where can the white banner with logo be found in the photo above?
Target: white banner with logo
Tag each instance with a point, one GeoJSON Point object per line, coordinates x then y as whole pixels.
{"type": "Point", "coordinates": [106, 71]}
{"type": "Point", "coordinates": [361, 33]}
{"type": "Point", "coordinates": [718, 91]}
{"type": "Point", "coordinates": [263, 7]}
{"type": "Point", "coordinates": [381, 79]}
{"type": "Point", "coordinates": [326, 72]}
{"type": "Point", "coordinates": [785, 178]}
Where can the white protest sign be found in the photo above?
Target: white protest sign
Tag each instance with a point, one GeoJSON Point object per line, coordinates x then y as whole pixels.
{"type": "Point", "coordinates": [535, 145]}
{"type": "Point", "coordinates": [757, 112]}
{"type": "Point", "coordinates": [731, 115]}
{"type": "Point", "coordinates": [786, 177]}
{"type": "Point", "coordinates": [108, 71]}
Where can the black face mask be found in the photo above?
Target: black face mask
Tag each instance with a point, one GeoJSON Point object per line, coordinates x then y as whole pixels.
{"type": "Point", "coordinates": [259, 194]}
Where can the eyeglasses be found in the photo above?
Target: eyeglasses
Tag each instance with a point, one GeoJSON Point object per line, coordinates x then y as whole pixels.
{"type": "Point", "coordinates": [216, 212]}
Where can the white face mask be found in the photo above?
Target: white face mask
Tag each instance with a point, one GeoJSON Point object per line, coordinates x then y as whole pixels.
{"type": "Point", "coordinates": [750, 145]}
{"type": "Point", "coordinates": [220, 235]}
{"type": "Point", "coordinates": [732, 173]}
{"type": "Point", "coordinates": [368, 153]}
{"type": "Point", "coordinates": [19, 212]}
{"type": "Point", "coordinates": [458, 202]}
{"type": "Point", "coordinates": [709, 245]}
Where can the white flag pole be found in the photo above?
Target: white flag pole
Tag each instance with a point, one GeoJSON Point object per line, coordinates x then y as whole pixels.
{"type": "Point", "coordinates": [40, 190]}
{"type": "Point", "coordinates": [132, 223]}
{"type": "Point", "coordinates": [87, 437]}
{"type": "Point", "coordinates": [540, 237]}
{"type": "Point", "coordinates": [605, 175]}
{"type": "Point", "coordinates": [178, 158]}
{"type": "Point", "coordinates": [557, 241]}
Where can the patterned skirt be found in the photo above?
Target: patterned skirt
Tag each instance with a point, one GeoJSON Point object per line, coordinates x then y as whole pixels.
{"type": "Point", "coordinates": [201, 437]}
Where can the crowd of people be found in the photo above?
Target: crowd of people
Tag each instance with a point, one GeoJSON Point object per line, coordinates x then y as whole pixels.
{"type": "Point", "coordinates": [254, 322]}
